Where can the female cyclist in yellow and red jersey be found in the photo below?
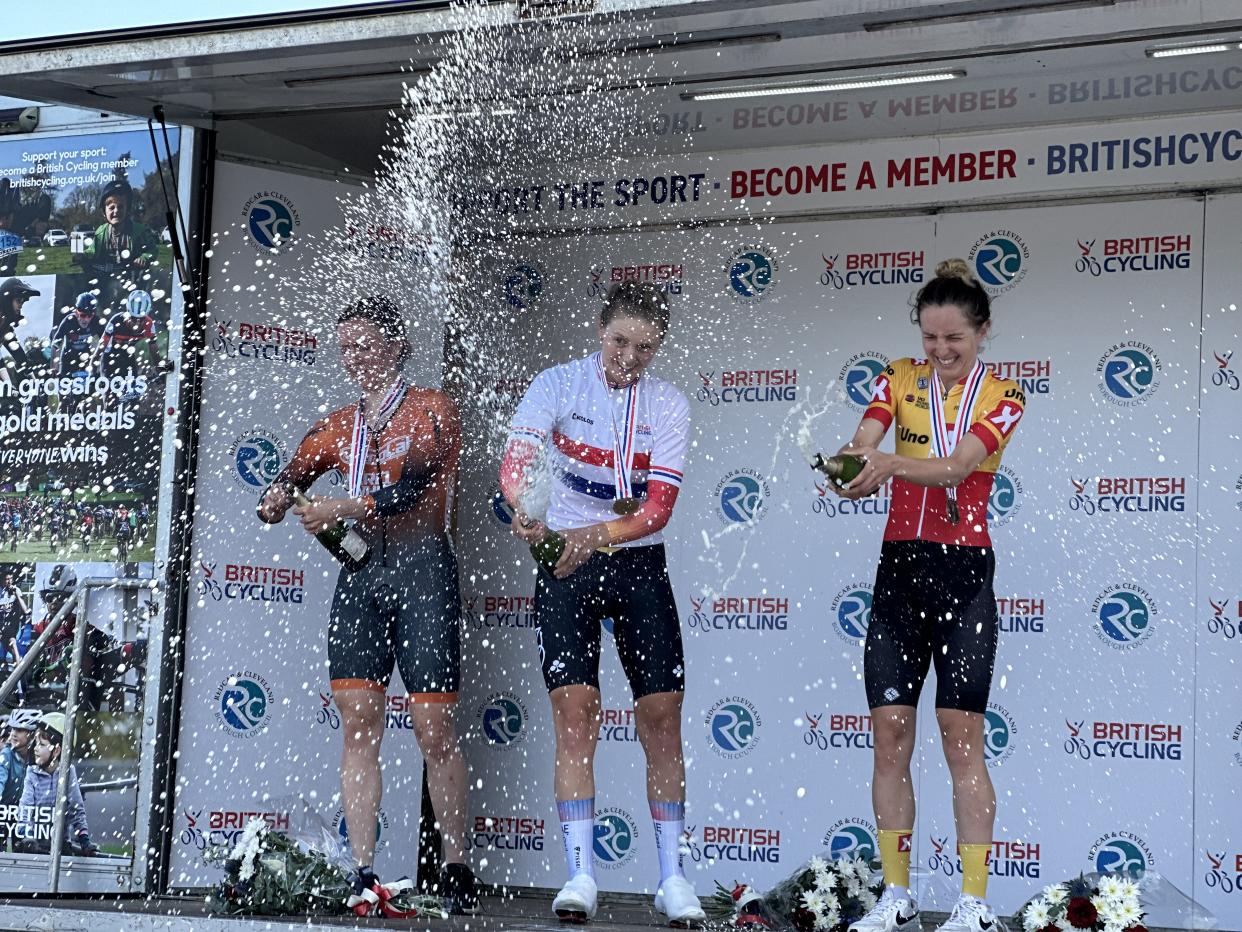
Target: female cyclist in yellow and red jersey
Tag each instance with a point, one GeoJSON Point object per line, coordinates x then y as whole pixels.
{"type": "Point", "coordinates": [933, 597]}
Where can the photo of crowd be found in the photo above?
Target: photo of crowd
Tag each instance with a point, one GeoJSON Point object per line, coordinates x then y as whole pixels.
{"type": "Point", "coordinates": [104, 759]}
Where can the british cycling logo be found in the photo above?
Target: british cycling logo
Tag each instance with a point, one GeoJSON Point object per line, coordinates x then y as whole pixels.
{"type": "Point", "coordinates": [1006, 499]}
{"type": "Point", "coordinates": [272, 219]}
{"type": "Point", "coordinates": [669, 277]}
{"type": "Point", "coordinates": [244, 339]}
{"type": "Point", "coordinates": [1006, 859]}
{"type": "Point", "coordinates": [1128, 740]}
{"type": "Point", "coordinates": [522, 284]}
{"type": "Point", "coordinates": [862, 269]}
{"type": "Point", "coordinates": [1000, 260]}
{"type": "Point", "coordinates": [1021, 614]}
{"type": "Point", "coordinates": [1129, 254]}
{"type": "Point", "coordinates": [247, 582]}
{"type": "Point", "coordinates": [615, 838]}
{"type": "Point", "coordinates": [1223, 375]}
{"type": "Point", "coordinates": [1124, 616]}
{"type": "Point", "coordinates": [851, 612]}
{"type": "Point", "coordinates": [999, 730]}
{"type": "Point", "coordinates": [734, 844]}
{"type": "Point", "coordinates": [502, 719]}
{"type": "Point", "coordinates": [742, 496]}
{"type": "Point", "coordinates": [1129, 373]}
{"type": "Point", "coordinates": [1034, 376]}
{"type": "Point", "coordinates": [837, 731]}
{"type": "Point", "coordinates": [851, 838]}
{"type": "Point", "coordinates": [224, 826]}
{"type": "Point", "coordinates": [499, 611]}
{"type": "Point", "coordinates": [830, 505]}
{"type": "Point", "coordinates": [618, 726]}
{"type": "Point", "coordinates": [243, 703]}
{"type": "Point", "coordinates": [1121, 853]}
{"type": "Point", "coordinates": [733, 725]}
{"type": "Point", "coordinates": [1131, 494]}
{"type": "Point", "coordinates": [516, 832]}
{"type": "Point", "coordinates": [397, 715]}
{"type": "Point", "coordinates": [752, 274]}
{"type": "Point", "coordinates": [257, 456]}
{"type": "Point", "coordinates": [1223, 870]}
{"type": "Point", "coordinates": [1224, 622]}
{"type": "Point", "coordinates": [381, 829]}
{"type": "Point", "coordinates": [857, 377]}
{"type": "Point", "coordinates": [747, 386]}
{"type": "Point", "coordinates": [738, 613]}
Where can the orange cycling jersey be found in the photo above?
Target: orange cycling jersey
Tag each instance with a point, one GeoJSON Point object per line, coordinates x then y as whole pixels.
{"type": "Point", "coordinates": [410, 471]}
{"type": "Point", "coordinates": [917, 512]}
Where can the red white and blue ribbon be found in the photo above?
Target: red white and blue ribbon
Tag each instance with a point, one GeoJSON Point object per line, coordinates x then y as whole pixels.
{"type": "Point", "coordinates": [944, 443]}
{"type": "Point", "coordinates": [623, 436]}
{"type": "Point", "coordinates": [362, 434]}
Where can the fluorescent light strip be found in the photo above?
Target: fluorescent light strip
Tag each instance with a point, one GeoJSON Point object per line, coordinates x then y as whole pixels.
{"type": "Point", "coordinates": [1176, 51]}
{"type": "Point", "coordinates": [824, 87]}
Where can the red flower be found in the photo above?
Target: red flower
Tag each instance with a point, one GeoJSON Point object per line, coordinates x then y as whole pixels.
{"type": "Point", "coordinates": [1135, 928]}
{"type": "Point", "coordinates": [803, 920]}
{"type": "Point", "coordinates": [1080, 913]}
{"type": "Point", "coordinates": [1051, 927]}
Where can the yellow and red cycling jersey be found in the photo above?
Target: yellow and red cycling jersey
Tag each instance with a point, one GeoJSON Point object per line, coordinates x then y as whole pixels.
{"type": "Point", "coordinates": [901, 394]}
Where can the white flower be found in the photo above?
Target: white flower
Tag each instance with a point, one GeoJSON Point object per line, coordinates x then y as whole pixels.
{"type": "Point", "coordinates": [1128, 913]}
{"type": "Point", "coordinates": [1112, 927]}
{"type": "Point", "coordinates": [1054, 894]}
{"type": "Point", "coordinates": [814, 902]}
{"type": "Point", "coordinates": [1036, 916]}
{"type": "Point", "coordinates": [844, 867]}
{"type": "Point", "coordinates": [817, 865]}
{"type": "Point", "coordinates": [868, 900]}
{"type": "Point", "coordinates": [1063, 924]}
{"type": "Point", "coordinates": [831, 901]}
{"type": "Point", "coordinates": [854, 888]}
{"type": "Point", "coordinates": [1110, 886]}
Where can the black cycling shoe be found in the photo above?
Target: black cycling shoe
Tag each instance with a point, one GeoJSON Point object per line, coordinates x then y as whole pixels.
{"type": "Point", "coordinates": [459, 889]}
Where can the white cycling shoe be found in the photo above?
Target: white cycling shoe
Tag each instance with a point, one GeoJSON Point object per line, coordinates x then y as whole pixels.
{"type": "Point", "coordinates": [677, 901]}
{"type": "Point", "coordinates": [890, 914]}
{"type": "Point", "coordinates": [577, 900]}
{"type": "Point", "coordinates": [971, 914]}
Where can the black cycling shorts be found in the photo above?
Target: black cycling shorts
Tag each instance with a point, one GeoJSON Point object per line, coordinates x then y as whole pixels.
{"type": "Point", "coordinates": [403, 610]}
{"type": "Point", "coordinates": [631, 587]}
{"type": "Point", "coordinates": [933, 603]}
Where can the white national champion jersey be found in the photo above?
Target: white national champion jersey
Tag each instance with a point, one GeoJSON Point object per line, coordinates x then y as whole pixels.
{"type": "Point", "coordinates": [569, 409]}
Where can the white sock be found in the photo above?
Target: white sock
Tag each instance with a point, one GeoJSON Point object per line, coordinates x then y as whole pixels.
{"type": "Point", "coordinates": [901, 893]}
{"type": "Point", "coordinates": [669, 820]}
{"type": "Point", "coordinates": [578, 833]}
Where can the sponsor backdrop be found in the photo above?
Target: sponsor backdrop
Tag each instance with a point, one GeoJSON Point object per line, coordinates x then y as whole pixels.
{"type": "Point", "coordinates": [1116, 664]}
{"type": "Point", "coordinates": [1113, 666]}
{"type": "Point", "coordinates": [258, 719]}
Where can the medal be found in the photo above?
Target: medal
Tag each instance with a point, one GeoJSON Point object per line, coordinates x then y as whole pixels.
{"type": "Point", "coordinates": [627, 506]}
{"type": "Point", "coordinates": [943, 442]}
{"type": "Point", "coordinates": [362, 434]}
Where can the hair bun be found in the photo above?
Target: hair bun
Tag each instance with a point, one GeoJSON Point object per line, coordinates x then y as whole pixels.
{"type": "Point", "coordinates": [955, 268]}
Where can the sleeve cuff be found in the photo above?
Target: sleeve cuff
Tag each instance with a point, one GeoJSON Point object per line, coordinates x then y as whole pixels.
{"type": "Point", "coordinates": [883, 415]}
{"type": "Point", "coordinates": [990, 441]}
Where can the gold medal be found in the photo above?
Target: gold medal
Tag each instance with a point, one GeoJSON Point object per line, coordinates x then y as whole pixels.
{"type": "Point", "coordinates": [627, 506]}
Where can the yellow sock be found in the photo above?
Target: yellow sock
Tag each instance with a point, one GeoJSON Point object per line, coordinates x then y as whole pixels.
{"type": "Point", "coordinates": [895, 856]}
{"type": "Point", "coordinates": [974, 869]}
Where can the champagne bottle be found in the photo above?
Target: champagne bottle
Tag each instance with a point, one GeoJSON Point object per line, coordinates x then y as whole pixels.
{"type": "Point", "coordinates": [547, 551]}
{"type": "Point", "coordinates": [841, 468]}
{"type": "Point", "coordinates": [343, 542]}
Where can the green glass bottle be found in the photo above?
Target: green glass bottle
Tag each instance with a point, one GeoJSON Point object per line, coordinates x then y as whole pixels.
{"type": "Point", "coordinates": [342, 541]}
{"type": "Point", "coordinates": [841, 468]}
{"type": "Point", "coordinates": [547, 552]}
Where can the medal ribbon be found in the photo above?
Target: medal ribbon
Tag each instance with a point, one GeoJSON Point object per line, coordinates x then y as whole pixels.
{"type": "Point", "coordinates": [362, 434]}
{"type": "Point", "coordinates": [943, 443]}
{"type": "Point", "coordinates": [622, 439]}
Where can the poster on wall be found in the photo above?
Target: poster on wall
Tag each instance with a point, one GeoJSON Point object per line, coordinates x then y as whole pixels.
{"type": "Point", "coordinates": [86, 316]}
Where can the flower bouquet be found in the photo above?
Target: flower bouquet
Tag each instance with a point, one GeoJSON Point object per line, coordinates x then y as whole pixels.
{"type": "Point", "coordinates": [1095, 902]}
{"type": "Point", "coordinates": [269, 874]}
{"type": "Point", "coordinates": [821, 896]}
